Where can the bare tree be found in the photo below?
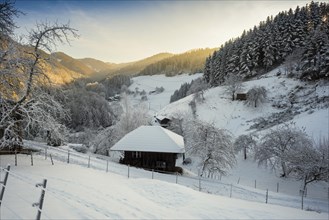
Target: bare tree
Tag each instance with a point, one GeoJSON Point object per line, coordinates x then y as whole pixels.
{"type": "Point", "coordinates": [213, 146]}
{"type": "Point", "coordinates": [311, 163]}
{"type": "Point", "coordinates": [24, 101]}
{"type": "Point", "coordinates": [192, 104]}
{"type": "Point", "coordinates": [245, 142]}
{"type": "Point", "coordinates": [7, 14]}
{"type": "Point", "coordinates": [256, 95]}
{"type": "Point", "coordinates": [277, 146]}
{"type": "Point", "coordinates": [103, 140]}
{"type": "Point", "coordinates": [234, 84]}
{"type": "Point", "coordinates": [131, 118]}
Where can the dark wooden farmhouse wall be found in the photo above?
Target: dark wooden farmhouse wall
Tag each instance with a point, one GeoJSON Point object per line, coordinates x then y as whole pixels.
{"type": "Point", "coordinates": [151, 160]}
{"type": "Point", "coordinates": [241, 96]}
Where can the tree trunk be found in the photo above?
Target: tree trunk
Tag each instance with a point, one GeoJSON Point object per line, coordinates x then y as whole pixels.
{"type": "Point", "coordinates": [204, 165]}
{"type": "Point", "coordinates": [284, 169]}
{"type": "Point", "coordinates": [245, 152]}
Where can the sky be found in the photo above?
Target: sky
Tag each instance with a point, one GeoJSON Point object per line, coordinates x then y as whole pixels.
{"type": "Point", "coordinates": [128, 30]}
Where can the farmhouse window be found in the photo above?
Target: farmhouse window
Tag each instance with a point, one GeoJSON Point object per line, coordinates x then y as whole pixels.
{"type": "Point", "coordinates": [161, 164]}
{"type": "Point", "coordinates": [137, 154]}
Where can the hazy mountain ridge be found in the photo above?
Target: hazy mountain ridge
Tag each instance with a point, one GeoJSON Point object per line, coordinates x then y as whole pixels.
{"type": "Point", "coordinates": [72, 64]}
{"type": "Point", "coordinates": [96, 69]}
{"type": "Point", "coordinates": [134, 68]}
{"type": "Point", "coordinates": [97, 65]}
{"type": "Point", "coordinates": [192, 61]}
{"type": "Point", "coordinates": [170, 64]}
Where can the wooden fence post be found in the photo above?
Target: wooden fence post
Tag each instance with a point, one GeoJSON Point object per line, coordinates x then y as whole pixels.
{"type": "Point", "coordinates": [128, 170]}
{"type": "Point", "coordinates": [231, 191]}
{"type": "Point", "coordinates": [277, 187]}
{"type": "Point", "coordinates": [255, 184]}
{"type": "Point", "coordinates": [107, 166]}
{"type": "Point", "coordinates": [302, 192]}
{"type": "Point", "coordinates": [199, 183]}
{"type": "Point", "coordinates": [46, 153]}
{"type": "Point", "coordinates": [31, 158]}
{"type": "Point", "coordinates": [4, 182]}
{"type": "Point", "coordinates": [176, 177]}
{"type": "Point", "coordinates": [152, 174]}
{"type": "Point", "coordinates": [89, 161]}
{"type": "Point", "coordinates": [239, 180]}
{"type": "Point", "coordinates": [40, 203]}
{"type": "Point", "coordinates": [68, 156]}
{"type": "Point", "coordinates": [15, 158]}
{"type": "Point", "coordinates": [51, 158]}
{"type": "Point", "coordinates": [266, 196]}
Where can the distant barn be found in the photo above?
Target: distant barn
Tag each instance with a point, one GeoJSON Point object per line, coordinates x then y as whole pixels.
{"type": "Point", "coordinates": [241, 96]}
{"type": "Point", "coordinates": [151, 147]}
{"type": "Point", "coordinates": [162, 121]}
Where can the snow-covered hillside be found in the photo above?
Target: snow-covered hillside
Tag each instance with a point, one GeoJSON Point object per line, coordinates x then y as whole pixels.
{"type": "Point", "coordinates": [156, 102]}
{"type": "Point", "coordinates": [309, 108]}
{"type": "Point", "coordinates": [77, 192]}
{"type": "Point", "coordinates": [289, 100]}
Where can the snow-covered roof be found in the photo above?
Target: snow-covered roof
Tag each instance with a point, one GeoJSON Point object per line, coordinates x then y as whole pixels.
{"type": "Point", "coordinates": [151, 139]}
{"type": "Point", "coordinates": [161, 117]}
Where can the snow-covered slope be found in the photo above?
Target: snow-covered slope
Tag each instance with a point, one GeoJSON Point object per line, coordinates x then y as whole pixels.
{"type": "Point", "coordinates": [309, 108]}
{"type": "Point", "coordinates": [154, 101]}
{"type": "Point", "coordinates": [289, 100]}
{"type": "Point", "coordinates": [76, 192]}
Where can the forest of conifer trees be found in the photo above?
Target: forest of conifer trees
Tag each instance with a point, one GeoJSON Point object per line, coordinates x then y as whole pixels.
{"type": "Point", "coordinates": [298, 38]}
{"type": "Point", "coordinates": [189, 62]}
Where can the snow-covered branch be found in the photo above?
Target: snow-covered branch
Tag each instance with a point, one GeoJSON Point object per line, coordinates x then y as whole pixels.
{"type": "Point", "coordinates": [24, 101]}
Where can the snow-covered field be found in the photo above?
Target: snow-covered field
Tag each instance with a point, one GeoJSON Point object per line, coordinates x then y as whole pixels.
{"type": "Point", "coordinates": [156, 102]}
{"type": "Point", "coordinates": [77, 192]}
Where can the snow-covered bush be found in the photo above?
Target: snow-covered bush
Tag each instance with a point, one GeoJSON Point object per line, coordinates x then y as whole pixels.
{"type": "Point", "coordinates": [213, 146]}
{"type": "Point", "coordinates": [278, 146]}
{"type": "Point", "coordinates": [245, 143]}
{"type": "Point", "coordinates": [310, 163]}
{"type": "Point", "coordinates": [256, 96]}
{"type": "Point", "coordinates": [234, 85]}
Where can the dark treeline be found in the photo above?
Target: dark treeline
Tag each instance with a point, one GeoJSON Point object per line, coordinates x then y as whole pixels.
{"type": "Point", "coordinates": [189, 62]}
{"type": "Point", "coordinates": [298, 38]}
{"type": "Point", "coordinates": [87, 102]}
{"type": "Point", "coordinates": [186, 89]}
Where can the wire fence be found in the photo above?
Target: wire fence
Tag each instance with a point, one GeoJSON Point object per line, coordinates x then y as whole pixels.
{"type": "Point", "coordinates": [29, 203]}
{"type": "Point", "coordinates": [213, 185]}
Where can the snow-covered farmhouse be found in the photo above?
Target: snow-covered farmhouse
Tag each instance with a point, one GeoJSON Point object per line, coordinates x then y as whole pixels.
{"type": "Point", "coordinates": [152, 147]}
